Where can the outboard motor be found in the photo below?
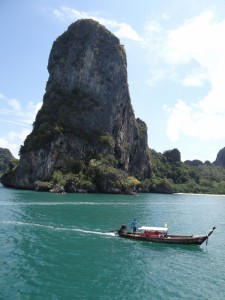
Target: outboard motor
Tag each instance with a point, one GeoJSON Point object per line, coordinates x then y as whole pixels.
{"type": "Point", "coordinates": [122, 228]}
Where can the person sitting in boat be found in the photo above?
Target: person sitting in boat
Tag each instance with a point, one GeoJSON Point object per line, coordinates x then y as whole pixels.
{"type": "Point", "coordinates": [134, 225]}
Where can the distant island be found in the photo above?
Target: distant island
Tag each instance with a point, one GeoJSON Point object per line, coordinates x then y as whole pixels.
{"type": "Point", "coordinates": [6, 160]}
{"type": "Point", "coordinates": [86, 137]}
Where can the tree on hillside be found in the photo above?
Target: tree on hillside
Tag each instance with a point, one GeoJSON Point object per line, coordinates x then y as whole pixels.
{"type": "Point", "coordinates": [172, 155]}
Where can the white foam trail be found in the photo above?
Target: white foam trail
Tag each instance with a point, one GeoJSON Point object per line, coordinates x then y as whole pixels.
{"type": "Point", "coordinates": [63, 203]}
{"type": "Point", "coordinates": [58, 228]}
{"type": "Point", "coordinates": [94, 232]}
{"type": "Point", "coordinates": [26, 224]}
{"type": "Point", "coordinates": [193, 194]}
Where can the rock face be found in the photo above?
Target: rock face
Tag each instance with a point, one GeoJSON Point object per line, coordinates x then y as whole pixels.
{"type": "Point", "coordinates": [86, 109]}
{"type": "Point", "coordinates": [5, 158]}
{"type": "Point", "coordinates": [220, 158]}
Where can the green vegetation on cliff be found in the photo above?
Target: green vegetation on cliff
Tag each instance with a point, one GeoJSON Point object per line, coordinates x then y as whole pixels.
{"type": "Point", "coordinates": [49, 124]}
{"type": "Point", "coordinates": [187, 177]}
{"type": "Point", "coordinates": [169, 175]}
{"type": "Point", "coordinates": [98, 175]}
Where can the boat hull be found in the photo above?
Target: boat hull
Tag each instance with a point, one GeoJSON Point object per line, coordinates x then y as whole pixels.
{"type": "Point", "coordinates": [168, 239]}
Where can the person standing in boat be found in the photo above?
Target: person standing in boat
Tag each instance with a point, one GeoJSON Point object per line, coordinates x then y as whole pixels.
{"type": "Point", "coordinates": [134, 225]}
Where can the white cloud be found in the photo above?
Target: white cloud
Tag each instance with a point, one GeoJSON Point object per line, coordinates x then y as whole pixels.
{"type": "Point", "coordinates": [5, 143]}
{"type": "Point", "coordinates": [31, 111]}
{"type": "Point", "coordinates": [12, 112]}
{"type": "Point", "coordinates": [186, 42]}
{"type": "Point", "coordinates": [185, 119]}
{"type": "Point", "coordinates": [14, 104]}
{"type": "Point", "coordinates": [165, 16]}
{"type": "Point", "coordinates": [153, 27]}
{"type": "Point", "coordinates": [195, 77]}
{"type": "Point", "coordinates": [198, 47]}
{"type": "Point", "coordinates": [156, 75]}
{"type": "Point", "coordinates": [125, 31]}
{"type": "Point", "coordinates": [13, 140]}
{"type": "Point", "coordinates": [200, 39]}
{"type": "Point", "coordinates": [17, 114]}
{"type": "Point", "coordinates": [64, 13]}
{"type": "Point", "coordinates": [122, 30]}
{"type": "Point", "coordinates": [180, 119]}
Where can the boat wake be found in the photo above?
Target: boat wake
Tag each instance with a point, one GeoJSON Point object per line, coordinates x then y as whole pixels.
{"type": "Point", "coordinates": [62, 203]}
{"type": "Point", "coordinates": [82, 231]}
{"type": "Point", "coordinates": [94, 232]}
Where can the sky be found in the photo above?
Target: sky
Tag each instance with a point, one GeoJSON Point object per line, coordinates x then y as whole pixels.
{"type": "Point", "coordinates": [176, 66]}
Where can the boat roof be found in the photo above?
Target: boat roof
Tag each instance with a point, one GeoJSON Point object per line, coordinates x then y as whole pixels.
{"type": "Point", "coordinates": [147, 228]}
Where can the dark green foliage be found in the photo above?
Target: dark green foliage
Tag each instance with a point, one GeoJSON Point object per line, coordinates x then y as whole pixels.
{"type": "Point", "coordinates": [99, 175]}
{"type": "Point", "coordinates": [103, 173]}
{"type": "Point", "coordinates": [163, 186]}
{"type": "Point", "coordinates": [169, 175]}
{"type": "Point", "coordinates": [67, 116]}
{"type": "Point", "coordinates": [80, 181]}
{"type": "Point", "coordinates": [42, 186]}
{"type": "Point", "coordinates": [189, 177]}
{"type": "Point", "coordinates": [194, 162]}
{"type": "Point", "coordinates": [172, 155]}
{"type": "Point", "coordinates": [106, 139]}
{"type": "Point", "coordinates": [76, 166]}
{"type": "Point", "coordinates": [142, 128]}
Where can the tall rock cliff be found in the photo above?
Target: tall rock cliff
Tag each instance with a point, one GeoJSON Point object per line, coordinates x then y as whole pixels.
{"type": "Point", "coordinates": [86, 110]}
{"type": "Point", "coordinates": [220, 158]}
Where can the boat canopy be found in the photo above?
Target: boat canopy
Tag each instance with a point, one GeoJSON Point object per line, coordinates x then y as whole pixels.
{"type": "Point", "coordinates": [146, 228]}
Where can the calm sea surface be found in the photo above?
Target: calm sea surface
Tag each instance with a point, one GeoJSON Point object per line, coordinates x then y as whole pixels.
{"type": "Point", "coordinates": [58, 246]}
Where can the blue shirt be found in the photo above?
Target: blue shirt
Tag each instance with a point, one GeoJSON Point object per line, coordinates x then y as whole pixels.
{"type": "Point", "coordinates": [134, 224]}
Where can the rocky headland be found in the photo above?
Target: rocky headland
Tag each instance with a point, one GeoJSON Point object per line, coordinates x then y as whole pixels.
{"type": "Point", "coordinates": [85, 136]}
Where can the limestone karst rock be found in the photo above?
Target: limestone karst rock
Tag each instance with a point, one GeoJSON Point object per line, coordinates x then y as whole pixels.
{"type": "Point", "coordinates": [6, 158]}
{"type": "Point", "coordinates": [86, 109]}
{"type": "Point", "coordinates": [220, 158]}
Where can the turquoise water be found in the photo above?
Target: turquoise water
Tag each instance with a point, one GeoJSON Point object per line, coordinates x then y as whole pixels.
{"type": "Point", "coordinates": [58, 246]}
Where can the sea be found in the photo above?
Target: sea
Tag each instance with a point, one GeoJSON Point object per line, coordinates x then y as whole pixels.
{"type": "Point", "coordinates": [63, 246]}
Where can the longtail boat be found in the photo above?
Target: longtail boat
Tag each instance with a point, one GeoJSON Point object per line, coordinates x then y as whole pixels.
{"type": "Point", "coordinates": [160, 235]}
